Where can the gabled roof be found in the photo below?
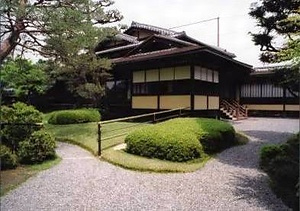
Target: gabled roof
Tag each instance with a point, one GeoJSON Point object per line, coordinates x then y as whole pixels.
{"type": "Point", "coordinates": [156, 41]}
{"type": "Point", "coordinates": [156, 38]}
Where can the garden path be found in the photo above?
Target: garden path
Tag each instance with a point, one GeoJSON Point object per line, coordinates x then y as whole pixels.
{"type": "Point", "coordinates": [231, 181]}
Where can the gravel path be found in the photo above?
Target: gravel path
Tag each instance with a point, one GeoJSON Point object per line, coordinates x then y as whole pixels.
{"type": "Point", "coordinates": [232, 181]}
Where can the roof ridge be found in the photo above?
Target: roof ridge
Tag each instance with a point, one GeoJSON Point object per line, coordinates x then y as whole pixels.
{"type": "Point", "coordinates": [127, 37]}
{"type": "Point", "coordinates": [175, 39]}
{"type": "Point", "coordinates": [161, 30]}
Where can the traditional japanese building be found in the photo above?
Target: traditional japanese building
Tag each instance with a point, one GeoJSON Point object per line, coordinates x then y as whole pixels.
{"type": "Point", "coordinates": [156, 69]}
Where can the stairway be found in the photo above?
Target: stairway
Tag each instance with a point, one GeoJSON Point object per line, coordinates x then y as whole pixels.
{"type": "Point", "coordinates": [233, 110]}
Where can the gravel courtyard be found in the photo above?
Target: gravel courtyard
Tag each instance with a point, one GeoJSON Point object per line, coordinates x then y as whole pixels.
{"type": "Point", "coordinates": [231, 181]}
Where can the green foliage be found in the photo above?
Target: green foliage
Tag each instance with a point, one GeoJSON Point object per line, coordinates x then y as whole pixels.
{"type": "Point", "coordinates": [74, 116]}
{"type": "Point", "coordinates": [40, 146]}
{"type": "Point", "coordinates": [24, 77]}
{"type": "Point", "coordinates": [281, 162]}
{"type": "Point", "coordinates": [65, 32]}
{"type": "Point", "coordinates": [180, 139]}
{"type": "Point", "coordinates": [275, 17]}
{"type": "Point", "coordinates": [18, 113]}
{"type": "Point", "coordinates": [216, 136]}
{"type": "Point", "coordinates": [7, 159]}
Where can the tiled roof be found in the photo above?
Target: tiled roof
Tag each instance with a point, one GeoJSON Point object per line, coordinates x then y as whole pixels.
{"type": "Point", "coordinates": [224, 51]}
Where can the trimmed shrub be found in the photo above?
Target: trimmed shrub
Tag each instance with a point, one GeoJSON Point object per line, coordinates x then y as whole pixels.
{"type": "Point", "coordinates": [174, 140]}
{"type": "Point", "coordinates": [180, 139]}
{"type": "Point", "coordinates": [216, 135]}
{"type": "Point", "coordinates": [281, 163]}
{"type": "Point", "coordinates": [7, 159]}
{"type": "Point", "coordinates": [74, 116]}
{"type": "Point", "coordinates": [267, 154]}
{"type": "Point", "coordinates": [39, 147]}
{"type": "Point", "coordinates": [19, 113]}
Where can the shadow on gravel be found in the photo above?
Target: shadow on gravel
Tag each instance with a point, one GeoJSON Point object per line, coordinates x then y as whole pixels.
{"type": "Point", "coordinates": [247, 156]}
{"type": "Point", "coordinates": [255, 188]}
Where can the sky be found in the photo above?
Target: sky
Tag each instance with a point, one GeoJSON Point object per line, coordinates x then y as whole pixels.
{"type": "Point", "coordinates": [235, 23]}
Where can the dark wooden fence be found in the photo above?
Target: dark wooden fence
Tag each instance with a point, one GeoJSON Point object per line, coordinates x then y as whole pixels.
{"type": "Point", "coordinates": [144, 118]}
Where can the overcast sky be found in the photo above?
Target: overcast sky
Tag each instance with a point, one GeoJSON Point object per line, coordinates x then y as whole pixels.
{"type": "Point", "coordinates": [235, 23]}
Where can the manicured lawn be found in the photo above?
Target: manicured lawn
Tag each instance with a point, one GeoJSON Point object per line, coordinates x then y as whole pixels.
{"type": "Point", "coordinates": [85, 134]}
{"type": "Point", "coordinates": [10, 179]}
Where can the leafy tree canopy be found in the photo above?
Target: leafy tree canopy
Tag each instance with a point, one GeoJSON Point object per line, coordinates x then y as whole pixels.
{"type": "Point", "coordinates": [24, 77]}
{"type": "Point", "coordinates": [279, 38]}
{"type": "Point", "coordinates": [279, 24]}
{"type": "Point", "coordinates": [54, 28]}
{"type": "Point", "coordinates": [65, 32]}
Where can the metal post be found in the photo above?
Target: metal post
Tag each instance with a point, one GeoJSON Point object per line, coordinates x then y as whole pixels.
{"type": "Point", "coordinates": [99, 139]}
{"type": "Point", "coordinates": [218, 31]}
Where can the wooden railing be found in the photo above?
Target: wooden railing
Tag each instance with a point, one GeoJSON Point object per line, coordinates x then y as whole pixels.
{"type": "Point", "coordinates": [153, 118]}
{"type": "Point", "coordinates": [243, 111]}
{"type": "Point", "coordinates": [234, 108]}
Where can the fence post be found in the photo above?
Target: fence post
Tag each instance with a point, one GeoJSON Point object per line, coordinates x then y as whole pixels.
{"type": "Point", "coordinates": [99, 139]}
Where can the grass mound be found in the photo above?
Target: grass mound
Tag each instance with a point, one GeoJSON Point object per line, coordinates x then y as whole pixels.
{"type": "Point", "coordinates": [74, 116]}
{"type": "Point", "coordinates": [180, 139]}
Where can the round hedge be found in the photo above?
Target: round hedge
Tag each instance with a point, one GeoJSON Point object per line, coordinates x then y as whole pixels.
{"type": "Point", "coordinates": [19, 112]}
{"type": "Point", "coordinates": [174, 140]}
{"type": "Point", "coordinates": [180, 139]}
{"type": "Point", "coordinates": [74, 116]}
{"type": "Point", "coordinates": [39, 147]}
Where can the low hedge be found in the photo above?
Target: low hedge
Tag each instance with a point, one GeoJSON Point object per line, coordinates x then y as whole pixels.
{"type": "Point", "coordinates": [281, 163]}
{"type": "Point", "coordinates": [7, 159]}
{"type": "Point", "coordinates": [74, 116]}
{"type": "Point", "coordinates": [179, 139]}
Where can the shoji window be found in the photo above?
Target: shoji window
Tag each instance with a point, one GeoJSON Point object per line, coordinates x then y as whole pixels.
{"type": "Point", "coordinates": [216, 77]}
{"type": "Point", "coordinates": [205, 74]}
{"type": "Point", "coordinates": [209, 75]}
{"type": "Point", "coordinates": [255, 90]}
{"type": "Point", "coordinates": [197, 72]}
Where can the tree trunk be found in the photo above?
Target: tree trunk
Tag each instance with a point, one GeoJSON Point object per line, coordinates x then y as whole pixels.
{"type": "Point", "coordinates": [10, 43]}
